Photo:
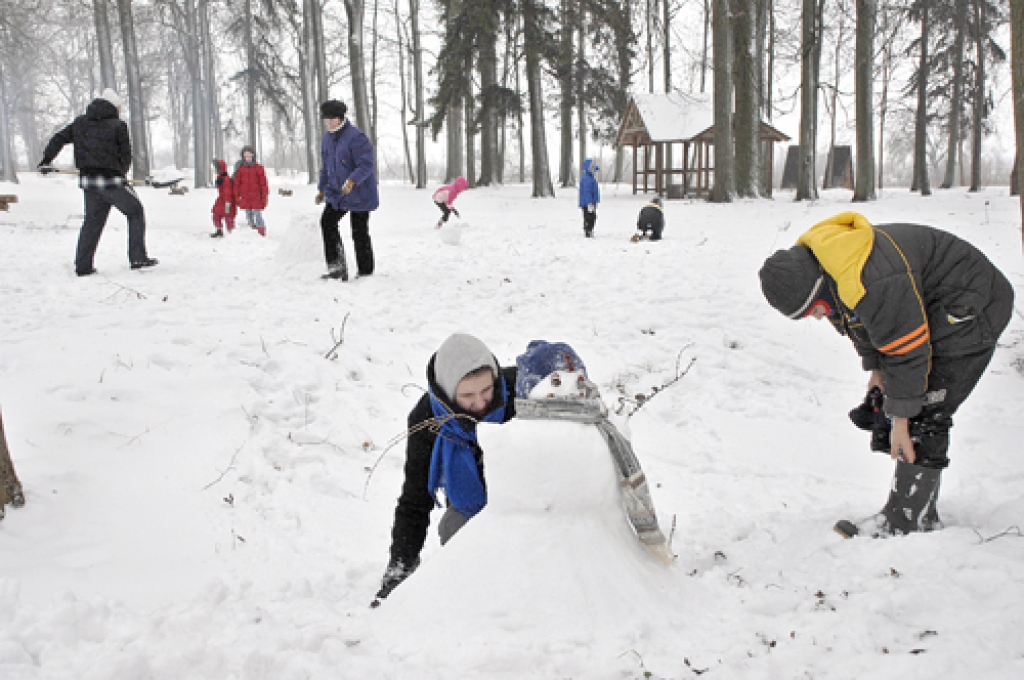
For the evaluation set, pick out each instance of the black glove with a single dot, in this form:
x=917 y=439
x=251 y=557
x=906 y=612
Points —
x=396 y=572
x=45 y=168
x=456 y=212
x=871 y=416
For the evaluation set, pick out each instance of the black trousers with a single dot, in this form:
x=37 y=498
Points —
x=334 y=250
x=97 y=208
x=589 y=221
x=445 y=210
x=951 y=381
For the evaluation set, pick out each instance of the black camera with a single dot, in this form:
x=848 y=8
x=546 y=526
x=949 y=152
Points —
x=870 y=416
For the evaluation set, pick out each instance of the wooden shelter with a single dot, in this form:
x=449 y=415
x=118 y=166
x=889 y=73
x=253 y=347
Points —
x=673 y=137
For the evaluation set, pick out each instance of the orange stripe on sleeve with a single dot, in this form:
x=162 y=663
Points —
x=909 y=341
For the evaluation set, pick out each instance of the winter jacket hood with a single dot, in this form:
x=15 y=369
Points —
x=842 y=245
x=100 y=109
x=447 y=193
x=590 y=167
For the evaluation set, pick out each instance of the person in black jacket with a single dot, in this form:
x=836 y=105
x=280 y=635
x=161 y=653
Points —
x=465 y=387
x=924 y=310
x=103 y=154
x=651 y=222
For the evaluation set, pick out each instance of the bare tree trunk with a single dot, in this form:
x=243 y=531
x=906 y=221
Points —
x=307 y=85
x=624 y=66
x=921 y=121
x=216 y=134
x=469 y=110
x=10 y=487
x=542 y=186
x=419 y=113
x=652 y=17
x=748 y=121
x=724 y=187
x=250 y=77
x=830 y=165
x=372 y=133
x=8 y=168
x=764 y=35
x=666 y=52
x=108 y=76
x=581 y=100
x=488 y=65
x=565 y=85
x=319 y=53
x=979 y=95
x=1017 y=67
x=956 y=98
x=864 y=186
x=140 y=143
x=883 y=99
x=704 y=48
x=806 y=189
x=403 y=109
x=354 y=10
x=188 y=33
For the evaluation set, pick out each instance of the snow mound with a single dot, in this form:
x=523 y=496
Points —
x=553 y=541
x=302 y=240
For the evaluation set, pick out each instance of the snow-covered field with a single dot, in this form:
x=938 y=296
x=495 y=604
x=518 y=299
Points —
x=210 y=490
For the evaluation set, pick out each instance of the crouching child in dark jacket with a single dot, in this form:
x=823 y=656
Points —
x=465 y=387
x=651 y=222
x=924 y=310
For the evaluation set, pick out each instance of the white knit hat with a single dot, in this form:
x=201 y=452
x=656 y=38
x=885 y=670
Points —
x=112 y=97
x=457 y=357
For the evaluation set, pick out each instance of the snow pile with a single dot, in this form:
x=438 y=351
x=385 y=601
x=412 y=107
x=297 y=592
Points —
x=553 y=538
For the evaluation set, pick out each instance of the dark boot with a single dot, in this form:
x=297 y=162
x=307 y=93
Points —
x=911 y=506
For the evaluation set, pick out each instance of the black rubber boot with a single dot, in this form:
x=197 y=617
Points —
x=911 y=506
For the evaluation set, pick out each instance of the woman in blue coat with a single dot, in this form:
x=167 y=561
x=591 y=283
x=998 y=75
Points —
x=590 y=196
x=347 y=184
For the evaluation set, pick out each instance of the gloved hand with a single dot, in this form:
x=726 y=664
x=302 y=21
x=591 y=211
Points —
x=396 y=572
x=319 y=198
x=45 y=168
x=592 y=207
x=455 y=212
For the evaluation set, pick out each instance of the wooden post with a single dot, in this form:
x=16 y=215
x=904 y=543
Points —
x=10 y=487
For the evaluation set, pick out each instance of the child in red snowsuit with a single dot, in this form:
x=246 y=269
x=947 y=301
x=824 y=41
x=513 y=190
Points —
x=445 y=196
x=224 y=208
x=251 y=191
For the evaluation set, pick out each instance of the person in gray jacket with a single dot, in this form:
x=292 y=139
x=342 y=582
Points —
x=924 y=310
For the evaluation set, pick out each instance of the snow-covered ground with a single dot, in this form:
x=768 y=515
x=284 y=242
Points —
x=210 y=490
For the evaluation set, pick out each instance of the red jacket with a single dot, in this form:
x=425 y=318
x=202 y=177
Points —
x=225 y=204
x=251 y=191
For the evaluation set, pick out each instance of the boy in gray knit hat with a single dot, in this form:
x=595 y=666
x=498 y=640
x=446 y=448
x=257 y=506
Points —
x=466 y=387
x=924 y=310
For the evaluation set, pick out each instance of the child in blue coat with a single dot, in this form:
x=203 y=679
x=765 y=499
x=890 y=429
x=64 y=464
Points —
x=590 y=196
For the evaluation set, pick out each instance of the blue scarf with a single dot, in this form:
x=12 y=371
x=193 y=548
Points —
x=452 y=463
